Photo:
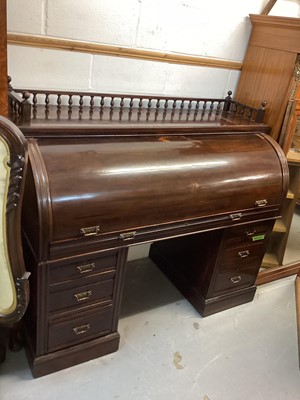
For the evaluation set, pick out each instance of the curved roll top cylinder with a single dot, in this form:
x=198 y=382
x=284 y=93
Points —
x=102 y=186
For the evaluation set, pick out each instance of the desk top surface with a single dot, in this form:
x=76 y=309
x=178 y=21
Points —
x=135 y=121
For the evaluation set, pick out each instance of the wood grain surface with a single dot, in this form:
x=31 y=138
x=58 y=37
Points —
x=119 y=51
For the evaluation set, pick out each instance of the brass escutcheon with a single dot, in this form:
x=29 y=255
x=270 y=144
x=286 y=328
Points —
x=83 y=296
x=261 y=203
x=79 y=330
x=236 y=279
x=244 y=253
x=83 y=269
x=90 y=231
x=236 y=217
x=128 y=235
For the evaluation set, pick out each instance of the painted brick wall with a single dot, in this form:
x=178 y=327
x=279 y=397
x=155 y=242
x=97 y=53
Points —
x=209 y=28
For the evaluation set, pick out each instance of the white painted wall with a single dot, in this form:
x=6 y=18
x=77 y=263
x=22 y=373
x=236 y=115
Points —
x=214 y=28
x=286 y=8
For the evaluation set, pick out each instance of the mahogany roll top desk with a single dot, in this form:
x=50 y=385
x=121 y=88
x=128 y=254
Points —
x=198 y=178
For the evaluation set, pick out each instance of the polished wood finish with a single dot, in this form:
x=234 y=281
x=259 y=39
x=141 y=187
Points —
x=123 y=168
x=11 y=229
x=274 y=273
x=267 y=72
x=54 y=43
x=17 y=162
x=103 y=112
x=135 y=122
x=213 y=280
x=70 y=356
x=3 y=60
x=202 y=175
x=78 y=320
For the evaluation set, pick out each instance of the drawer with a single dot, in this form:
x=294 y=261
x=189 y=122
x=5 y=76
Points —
x=81 y=296
x=242 y=257
x=233 y=280
x=80 y=328
x=81 y=269
x=254 y=233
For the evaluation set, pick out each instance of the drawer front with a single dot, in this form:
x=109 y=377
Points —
x=233 y=280
x=242 y=257
x=82 y=269
x=81 y=296
x=247 y=234
x=76 y=330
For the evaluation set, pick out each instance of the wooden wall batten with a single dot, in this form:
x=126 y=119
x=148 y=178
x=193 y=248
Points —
x=3 y=60
x=54 y=43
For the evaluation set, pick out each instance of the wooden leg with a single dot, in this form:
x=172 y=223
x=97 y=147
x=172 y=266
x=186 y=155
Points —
x=15 y=340
x=15 y=337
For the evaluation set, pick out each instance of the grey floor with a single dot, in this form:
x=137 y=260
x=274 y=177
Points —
x=168 y=351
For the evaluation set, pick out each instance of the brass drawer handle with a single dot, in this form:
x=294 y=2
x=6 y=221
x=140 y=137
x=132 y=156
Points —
x=90 y=231
x=255 y=236
x=83 y=296
x=79 y=330
x=261 y=203
x=250 y=233
x=127 y=235
x=236 y=279
x=83 y=269
x=244 y=253
x=236 y=217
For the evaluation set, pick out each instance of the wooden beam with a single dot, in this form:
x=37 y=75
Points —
x=3 y=60
x=272 y=274
x=119 y=51
x=268 y=7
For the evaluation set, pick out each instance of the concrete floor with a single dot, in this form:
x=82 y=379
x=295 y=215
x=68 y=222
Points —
x=168 y=351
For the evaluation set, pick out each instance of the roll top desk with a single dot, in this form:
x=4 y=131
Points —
x=198 y=178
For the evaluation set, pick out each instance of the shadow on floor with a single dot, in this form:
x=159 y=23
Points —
x=145 y=288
